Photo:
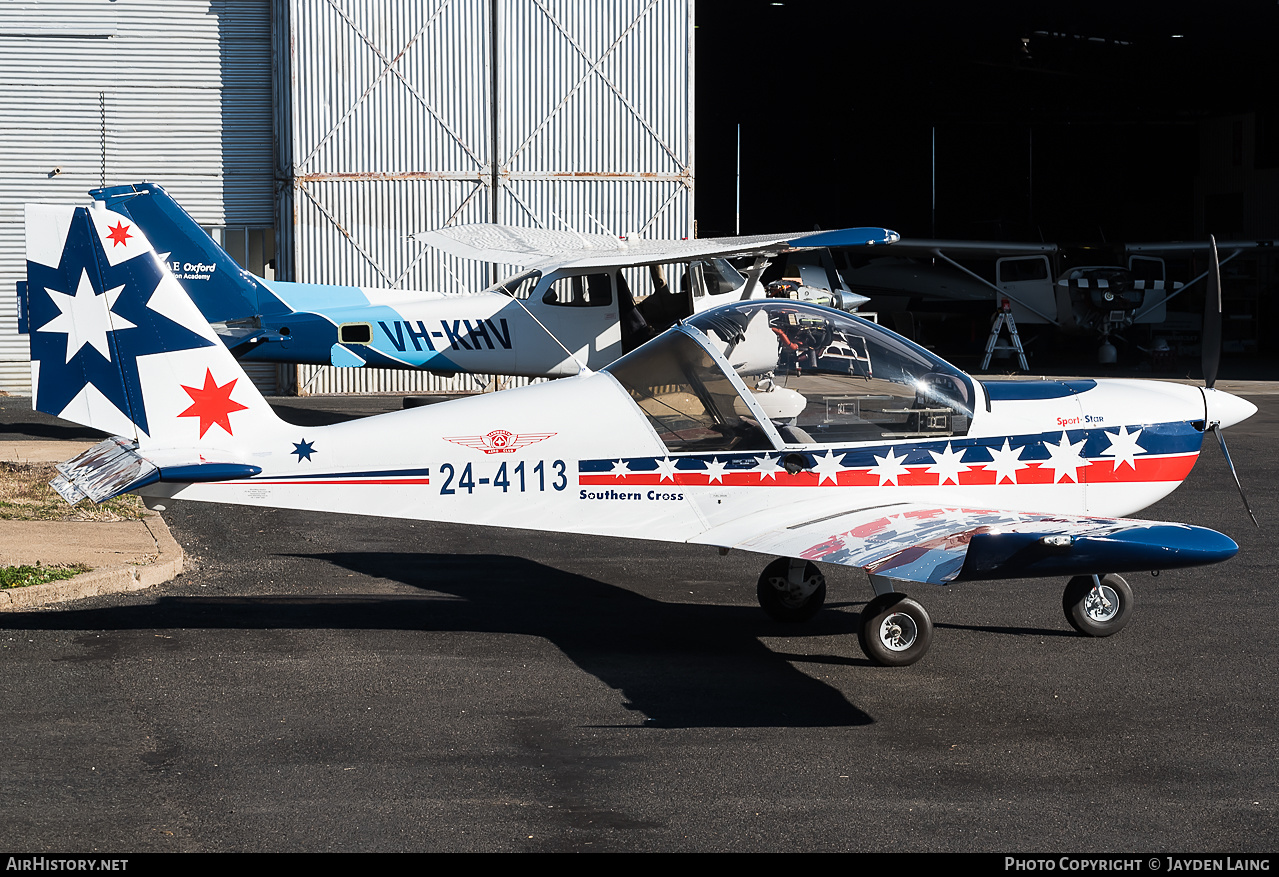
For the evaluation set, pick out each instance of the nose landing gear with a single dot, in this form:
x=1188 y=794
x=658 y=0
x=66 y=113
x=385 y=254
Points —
x=1097 y=605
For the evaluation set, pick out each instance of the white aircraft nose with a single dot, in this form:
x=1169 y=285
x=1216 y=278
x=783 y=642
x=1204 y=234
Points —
x=1226 y=409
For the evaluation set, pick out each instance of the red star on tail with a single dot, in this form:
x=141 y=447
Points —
x=212 y=404
x=119 y=234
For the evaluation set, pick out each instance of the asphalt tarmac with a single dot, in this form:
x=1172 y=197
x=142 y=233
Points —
x=322 y=683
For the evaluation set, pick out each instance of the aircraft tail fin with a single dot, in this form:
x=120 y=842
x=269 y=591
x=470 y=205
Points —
x=221 y=289
x=119 y=346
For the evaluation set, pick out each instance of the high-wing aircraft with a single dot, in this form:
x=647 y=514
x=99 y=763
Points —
x=571 y=307
x=771 y=426
x=1036 y=281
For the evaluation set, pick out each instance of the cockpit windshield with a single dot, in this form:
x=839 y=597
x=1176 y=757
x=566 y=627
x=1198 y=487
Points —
x=822 y=375
x=815 y=375
x=686 y=396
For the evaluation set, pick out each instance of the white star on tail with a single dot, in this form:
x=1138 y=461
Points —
x=1005 y=462
x=767 y=468
x=84 y=319
x=666 y=466
x=828 y=466
x=888 y=469
x=1124 y=448
x=1064 y=459
x=949 y=465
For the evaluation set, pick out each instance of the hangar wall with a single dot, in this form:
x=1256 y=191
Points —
x=526 y=112
x=348 y=126
x=94 y=93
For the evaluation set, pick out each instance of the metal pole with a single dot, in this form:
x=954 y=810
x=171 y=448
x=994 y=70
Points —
x=737 y=226
x=934 y=183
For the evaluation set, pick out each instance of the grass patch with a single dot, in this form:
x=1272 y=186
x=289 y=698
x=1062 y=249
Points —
x=25 y=495
x=22 y=576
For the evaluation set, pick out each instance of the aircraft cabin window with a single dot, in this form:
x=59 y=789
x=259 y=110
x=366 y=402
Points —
x=1018 y=270
x=582 y=291
x=822 y=376
x=714 y=277
x=355 y=333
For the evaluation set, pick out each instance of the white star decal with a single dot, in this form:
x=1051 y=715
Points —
x=888 y=469
x=1064 y=459
x=949 y=465
x=1005 y=462
x=767 y=468
x=666 y=466
x=620 y=469
x=828 y=466
x=84 y=319
x=1124 y=448
x=715 y=471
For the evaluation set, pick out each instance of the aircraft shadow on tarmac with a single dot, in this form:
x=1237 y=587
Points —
x=679 y=665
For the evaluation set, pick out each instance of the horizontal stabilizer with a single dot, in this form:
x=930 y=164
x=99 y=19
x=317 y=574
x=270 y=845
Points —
x=107 y=469
x=114 y=466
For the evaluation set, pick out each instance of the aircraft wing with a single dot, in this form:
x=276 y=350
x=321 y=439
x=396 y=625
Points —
x=981 y=249
x=1168 y=247
x=938 y=544
x=535 y=247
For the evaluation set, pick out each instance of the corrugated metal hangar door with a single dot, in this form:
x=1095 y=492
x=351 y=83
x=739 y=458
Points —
x=95 y=93
x=527 y=112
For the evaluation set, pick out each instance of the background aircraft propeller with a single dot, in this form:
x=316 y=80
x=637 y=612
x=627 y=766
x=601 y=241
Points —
x=1211 y=348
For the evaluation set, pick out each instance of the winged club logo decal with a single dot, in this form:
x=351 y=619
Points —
x=499 y=441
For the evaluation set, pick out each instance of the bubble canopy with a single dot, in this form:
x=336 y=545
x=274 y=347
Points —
x=762 y=374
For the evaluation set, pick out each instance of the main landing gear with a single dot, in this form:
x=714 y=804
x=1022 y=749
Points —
x=791 y=590
x=895 y=631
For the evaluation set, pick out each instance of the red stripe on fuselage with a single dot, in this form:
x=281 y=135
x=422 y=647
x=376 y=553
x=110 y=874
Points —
x=1100 y=471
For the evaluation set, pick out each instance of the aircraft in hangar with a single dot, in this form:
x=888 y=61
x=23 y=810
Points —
x=1042 y=284
x=771 y=426
x=572 y=307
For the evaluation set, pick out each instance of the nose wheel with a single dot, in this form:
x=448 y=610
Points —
x=1097 y=605
x=895 y=630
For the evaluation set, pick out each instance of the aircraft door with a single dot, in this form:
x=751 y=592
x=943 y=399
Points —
x=1150 y=272
x=1029 y=284
x=581 y=310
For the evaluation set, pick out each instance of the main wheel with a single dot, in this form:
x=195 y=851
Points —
x=1094 y=613
x=895 y=630
x=784 y=601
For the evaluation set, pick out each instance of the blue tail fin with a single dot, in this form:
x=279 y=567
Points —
x=220 y=288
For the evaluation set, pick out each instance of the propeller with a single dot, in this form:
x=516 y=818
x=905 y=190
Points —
x=1211 y=349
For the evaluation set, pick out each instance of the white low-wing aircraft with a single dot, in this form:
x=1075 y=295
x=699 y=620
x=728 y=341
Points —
x=572 y=307
x=771 y=426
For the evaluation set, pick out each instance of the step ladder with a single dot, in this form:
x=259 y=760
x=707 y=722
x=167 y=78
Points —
x=1004 y=317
